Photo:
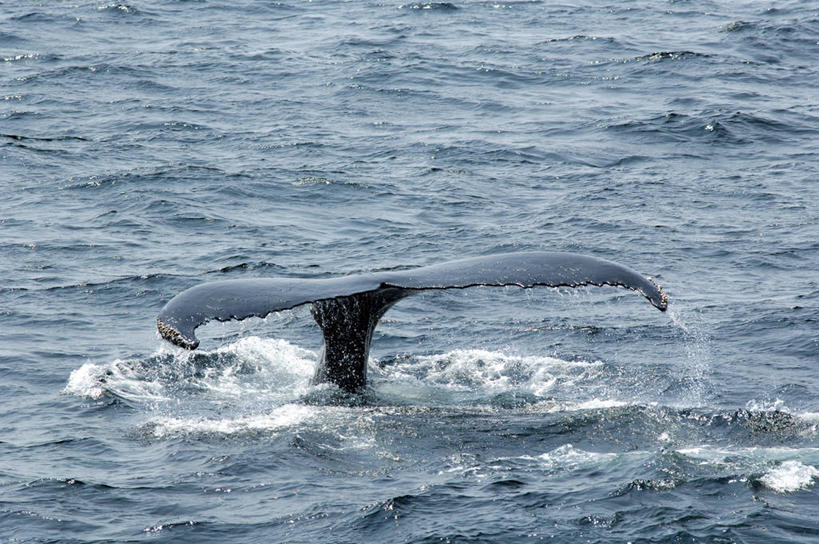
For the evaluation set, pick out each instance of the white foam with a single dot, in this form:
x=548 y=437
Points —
x=275 y=370
x=811 y=418
x=277 y=367
x=471 y=369
x=288 y=415
x=782 y=472
x=776 y=405
x=713 y=454
x=790 y=476
x=249 y=368
x=567 y=457
x=85 y=382
x=93 y=381
x=787 y=474
x=593 y=404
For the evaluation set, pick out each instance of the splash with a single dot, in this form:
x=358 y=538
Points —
x=495 y=372
x=698 y=356
x=254 y=385
x=809 y=421
x=781 y=471
x=87 y=381
x=789 y=477
x=282 y=417
x=251 y=367
x=569 y=458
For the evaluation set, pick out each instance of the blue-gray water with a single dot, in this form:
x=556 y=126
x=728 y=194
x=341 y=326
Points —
x=146 y=147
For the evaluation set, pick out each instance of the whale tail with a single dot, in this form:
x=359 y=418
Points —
x=347 y=309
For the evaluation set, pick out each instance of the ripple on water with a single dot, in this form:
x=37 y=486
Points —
x=190 y=141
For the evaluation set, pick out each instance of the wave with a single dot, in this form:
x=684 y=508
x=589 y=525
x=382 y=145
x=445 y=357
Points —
x=64 y=138
x=118 y=8
x=22 y=57
x=430 y=6
x=659 y=56
x=735 y=127
x=138 y=176
x=281 y=417
x=779 y=469
x=574 y=434
x=789 y=476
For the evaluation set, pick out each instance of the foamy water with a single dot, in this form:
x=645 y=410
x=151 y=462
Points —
x=260 y=385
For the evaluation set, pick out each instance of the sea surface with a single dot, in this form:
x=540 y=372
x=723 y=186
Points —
x=146 y=147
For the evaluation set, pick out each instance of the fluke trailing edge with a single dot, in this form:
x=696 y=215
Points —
x=348 y=308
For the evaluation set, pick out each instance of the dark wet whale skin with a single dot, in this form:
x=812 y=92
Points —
x=348 y=308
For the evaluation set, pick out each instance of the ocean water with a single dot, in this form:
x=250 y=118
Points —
x=149 y=146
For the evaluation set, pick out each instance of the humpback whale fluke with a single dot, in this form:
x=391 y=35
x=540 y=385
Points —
x=348 y=308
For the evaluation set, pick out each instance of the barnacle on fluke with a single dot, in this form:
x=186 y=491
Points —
x=174 y=336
